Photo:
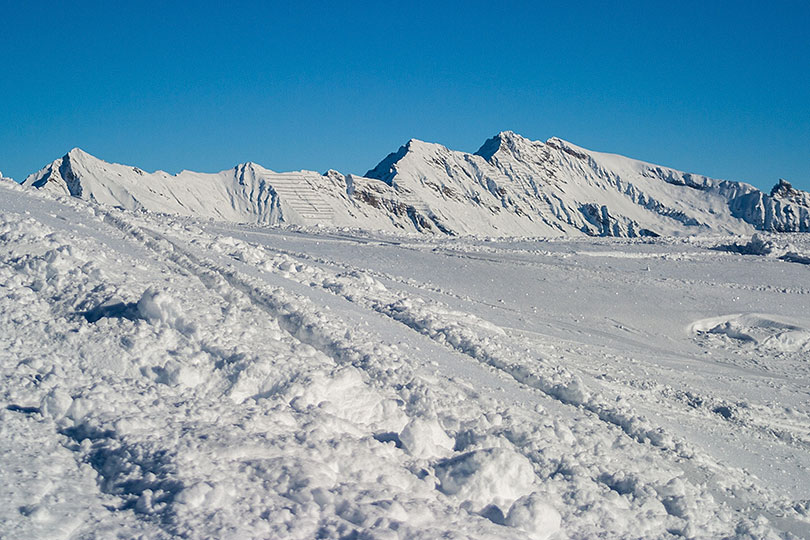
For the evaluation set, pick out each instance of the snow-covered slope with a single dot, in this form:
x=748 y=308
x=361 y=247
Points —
x=514 y=185
x=511 y=187
x=247 y=193
x=165 y=377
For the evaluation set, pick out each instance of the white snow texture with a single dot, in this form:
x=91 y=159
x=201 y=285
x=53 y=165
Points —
x=165 y=375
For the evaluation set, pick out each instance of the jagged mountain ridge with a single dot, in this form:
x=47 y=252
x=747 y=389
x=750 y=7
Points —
x=245 y=193
x=511 y=186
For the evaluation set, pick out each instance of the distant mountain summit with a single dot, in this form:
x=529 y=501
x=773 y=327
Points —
x=511 y=186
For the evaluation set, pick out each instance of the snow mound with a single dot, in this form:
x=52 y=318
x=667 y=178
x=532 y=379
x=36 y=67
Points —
x=771 y=247
x=344 y=395
x=765 y=332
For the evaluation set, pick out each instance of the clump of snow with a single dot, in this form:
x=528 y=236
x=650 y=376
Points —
x=158 y=307
x=759 y=245
x=56 y=403
x=535 y=516
x=424 y=438
x=344 y=394
x=773 y=247
x=491 y=476
x=765 y=332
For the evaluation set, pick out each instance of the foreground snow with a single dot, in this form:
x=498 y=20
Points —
x=165 y=377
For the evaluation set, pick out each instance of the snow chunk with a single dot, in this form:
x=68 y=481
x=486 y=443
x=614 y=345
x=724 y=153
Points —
x=344 y=394
x=194 y=496
x=158 y=307
x=426 y=439
x=56 y=403
x=766 y=332
x=482 y=478
x=534 y=516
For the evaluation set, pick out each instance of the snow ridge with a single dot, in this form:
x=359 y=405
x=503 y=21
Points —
x=511 y=186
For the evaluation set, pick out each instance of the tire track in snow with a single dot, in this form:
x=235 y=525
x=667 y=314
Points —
x=299 y=324
x=636 y=427
x=568 y=392
x=561 y=386
x=564 y=387
x=630 y=423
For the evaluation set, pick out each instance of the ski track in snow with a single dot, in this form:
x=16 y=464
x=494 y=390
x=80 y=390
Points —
x=166 y=378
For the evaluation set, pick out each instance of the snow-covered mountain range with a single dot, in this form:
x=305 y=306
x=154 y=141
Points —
x=511 y=186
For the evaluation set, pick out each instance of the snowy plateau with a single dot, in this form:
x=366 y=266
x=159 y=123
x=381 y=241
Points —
x=533 y=341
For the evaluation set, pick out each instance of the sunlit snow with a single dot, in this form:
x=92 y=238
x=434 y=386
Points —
x=168 y=376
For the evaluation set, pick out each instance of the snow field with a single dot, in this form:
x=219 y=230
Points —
x=164 y=381
x=297 y=403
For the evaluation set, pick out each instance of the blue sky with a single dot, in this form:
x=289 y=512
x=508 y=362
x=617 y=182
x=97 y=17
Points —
x=719 y=88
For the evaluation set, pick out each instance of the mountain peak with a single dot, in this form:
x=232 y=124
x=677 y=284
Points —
x=783 y=187
x=248 y=165
x=509 y=135
x=508 y=141
x=386 y=169
x=416 y=145
x=786 y=192
x=78 y=153
x=77 y=156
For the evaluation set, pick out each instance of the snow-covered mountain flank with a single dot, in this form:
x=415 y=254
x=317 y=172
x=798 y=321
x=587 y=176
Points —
x=511 y=186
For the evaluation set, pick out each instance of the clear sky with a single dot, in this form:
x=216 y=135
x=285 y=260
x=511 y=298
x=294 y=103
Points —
x=718 y=88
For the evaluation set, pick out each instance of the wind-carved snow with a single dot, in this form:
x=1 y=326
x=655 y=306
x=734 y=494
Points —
x=510 y=187
x=170 y=377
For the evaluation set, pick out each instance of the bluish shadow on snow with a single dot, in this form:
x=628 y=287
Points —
x=23 y=410
x=795 y=258
x=763 y=247
x=118 y=310
x=494 y=514
x=389 y=437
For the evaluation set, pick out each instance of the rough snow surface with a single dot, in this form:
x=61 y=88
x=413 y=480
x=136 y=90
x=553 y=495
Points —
x=170 y=378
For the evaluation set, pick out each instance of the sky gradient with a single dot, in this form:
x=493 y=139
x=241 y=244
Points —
x=716 y=88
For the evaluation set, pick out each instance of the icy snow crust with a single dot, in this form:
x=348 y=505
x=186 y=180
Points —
x=164 y=377
x=511 y=187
